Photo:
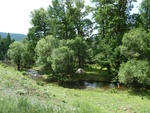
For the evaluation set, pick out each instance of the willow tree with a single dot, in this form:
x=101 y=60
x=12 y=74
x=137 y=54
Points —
x=15 y=53
x=135 y=73
x=61 y=63
x=44 y=50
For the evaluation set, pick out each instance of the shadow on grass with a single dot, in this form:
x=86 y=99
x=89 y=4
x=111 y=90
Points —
x=92 y=74
x=142 y=94
x=76 y=81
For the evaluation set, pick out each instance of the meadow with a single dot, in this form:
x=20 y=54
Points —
x=20 y=94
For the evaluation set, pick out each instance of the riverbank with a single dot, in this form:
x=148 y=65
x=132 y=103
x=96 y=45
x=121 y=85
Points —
x=92 y=77
x=21 y=93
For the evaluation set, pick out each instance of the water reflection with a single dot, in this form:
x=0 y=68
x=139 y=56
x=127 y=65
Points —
x=98 y=85
x=92 y=85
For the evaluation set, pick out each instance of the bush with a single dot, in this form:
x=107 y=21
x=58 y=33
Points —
x=135 y=73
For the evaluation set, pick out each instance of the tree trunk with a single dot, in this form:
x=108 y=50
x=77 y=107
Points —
x=18 y=63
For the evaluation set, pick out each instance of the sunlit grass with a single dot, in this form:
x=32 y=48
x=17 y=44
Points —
x=92 y=73
x=19 y=93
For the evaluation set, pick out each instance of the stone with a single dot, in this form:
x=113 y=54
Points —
x=80 y=71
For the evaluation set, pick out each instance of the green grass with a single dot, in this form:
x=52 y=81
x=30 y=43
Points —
x=21 y=104
x=18 y=93
x=92 y=73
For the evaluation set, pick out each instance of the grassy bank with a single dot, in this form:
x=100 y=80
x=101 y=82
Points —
x=92 y=73
x=19 y=93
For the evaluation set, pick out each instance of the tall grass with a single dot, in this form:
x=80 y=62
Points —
x=87 y=107
x=22 y=105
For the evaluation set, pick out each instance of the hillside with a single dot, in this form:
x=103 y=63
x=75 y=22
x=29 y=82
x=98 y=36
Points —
x=15 y=36
x=20 y=93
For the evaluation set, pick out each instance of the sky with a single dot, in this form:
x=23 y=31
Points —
x=15 y=14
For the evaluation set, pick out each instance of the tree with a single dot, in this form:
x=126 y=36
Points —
x=135 y=50
x=61 y=60
x=67 y=19
x=83 y=25
x=145 y=14
x=112 y=19
x=27 y=56
x=39 y=22
x=135 y=73
x=135 y=44
x=15 y=53
x=38 y=30
x=4 y=46
x=79 y=46
x=44 y=50
x=8 y=41
x=64 y=19
x=60 y=19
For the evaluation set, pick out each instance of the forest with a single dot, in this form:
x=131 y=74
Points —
x=70 y=35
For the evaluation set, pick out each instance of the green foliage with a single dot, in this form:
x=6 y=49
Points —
x=102 y=61
x=61 y=60
x=135 y=73
x=60 y=37
x=39 y=30
x=79 y=46
x=44 y=49
x=8 y=41
x=135 y=44
x=62 y=55
x=39 y=22
x=112 y=18
x=145 y=14
x=19 y=53
x=83 y=25
x=15 y=53
x=135 y=50
x=62 y=21
x=27 y=56
x=4 y=46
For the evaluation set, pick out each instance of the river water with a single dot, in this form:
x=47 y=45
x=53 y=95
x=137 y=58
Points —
x=98 y=84
x=77 y=84
x=34 y=74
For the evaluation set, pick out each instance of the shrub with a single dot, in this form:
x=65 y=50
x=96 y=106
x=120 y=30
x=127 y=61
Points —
x=135 y=73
